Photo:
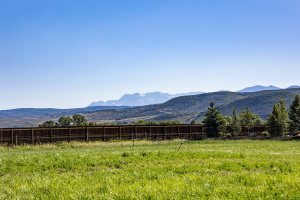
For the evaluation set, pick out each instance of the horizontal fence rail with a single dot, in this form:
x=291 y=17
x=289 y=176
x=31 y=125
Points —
x=16 y=136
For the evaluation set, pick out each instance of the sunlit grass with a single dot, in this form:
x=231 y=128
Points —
x=152 y=170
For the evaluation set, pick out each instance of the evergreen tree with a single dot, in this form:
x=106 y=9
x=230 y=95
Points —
x=247 y=119
x=283 y=115
x=294 y=116
x=273 y=125
x=277 y=121
x=236 y=123
x=214 y=123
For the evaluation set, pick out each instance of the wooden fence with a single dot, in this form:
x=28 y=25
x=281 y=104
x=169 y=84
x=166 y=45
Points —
x=16 y=136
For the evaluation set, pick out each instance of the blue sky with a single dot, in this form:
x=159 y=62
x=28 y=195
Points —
x=66 y=54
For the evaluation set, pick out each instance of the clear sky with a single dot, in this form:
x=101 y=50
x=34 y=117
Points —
x=66 y=54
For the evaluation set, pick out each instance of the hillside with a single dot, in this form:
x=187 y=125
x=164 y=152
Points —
x=261 y=104
x=53 y=111
x=29 y=117
x=179 y=105
x=184 y=106
x=184 y=109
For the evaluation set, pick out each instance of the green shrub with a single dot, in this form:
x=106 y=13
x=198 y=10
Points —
x=226 y=135
x=265 y=133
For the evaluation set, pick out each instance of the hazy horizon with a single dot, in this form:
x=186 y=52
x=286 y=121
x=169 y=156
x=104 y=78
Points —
x=68 y=54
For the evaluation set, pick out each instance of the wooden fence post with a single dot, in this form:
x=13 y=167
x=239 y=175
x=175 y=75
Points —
x=135 y=129
x=1 y=135
x=69 y=134
x=51 y=133
x=12 y=137
x=87 y=133
x=165 y=132
x=190 y=131
x=32 y=136
x=120 y=132
x=104 y=134
x=150 y=131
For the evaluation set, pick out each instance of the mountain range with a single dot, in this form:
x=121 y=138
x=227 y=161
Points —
x=138 y=99
x=261 y=88
x=150 y=98
x=182 y=108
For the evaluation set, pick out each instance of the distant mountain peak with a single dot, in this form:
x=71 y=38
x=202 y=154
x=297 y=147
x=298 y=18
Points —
x=259 y=88
x=293 y=86
x=138 y=99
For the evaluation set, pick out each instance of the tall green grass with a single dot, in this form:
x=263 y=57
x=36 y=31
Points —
x=152 y=170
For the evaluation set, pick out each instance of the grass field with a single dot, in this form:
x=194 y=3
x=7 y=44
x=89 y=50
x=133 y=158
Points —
x=152 y=170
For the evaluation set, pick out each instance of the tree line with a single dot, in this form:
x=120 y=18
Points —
x=80 y=120
x=280 y=121
x=215 y=124
x=75 y=120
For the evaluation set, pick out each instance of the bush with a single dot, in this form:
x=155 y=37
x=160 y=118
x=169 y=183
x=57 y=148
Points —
x=227 y=135
x=265 y=133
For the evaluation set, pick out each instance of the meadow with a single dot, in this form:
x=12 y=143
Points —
x=210 y=169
